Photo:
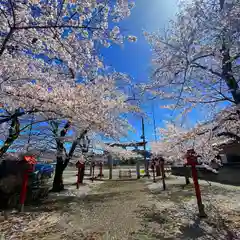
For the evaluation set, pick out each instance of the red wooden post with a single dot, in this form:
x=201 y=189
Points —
x=163 y=172
x=78 y=173
x=30 y=161
x=79 y=166
x=93 y=168
x=23 y=191
x=192 y=161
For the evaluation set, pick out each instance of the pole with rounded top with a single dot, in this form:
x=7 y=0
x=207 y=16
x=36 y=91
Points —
x=191 y=157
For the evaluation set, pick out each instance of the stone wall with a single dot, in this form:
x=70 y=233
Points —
x=226 y=175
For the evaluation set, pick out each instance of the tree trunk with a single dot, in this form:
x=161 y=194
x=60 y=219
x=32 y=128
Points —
x=228 y=75
x=158 y=170
x=227 y=72
x=9 y=141
x=60 y=166
x=61 y=162
x=58 y=177
x=14 y=132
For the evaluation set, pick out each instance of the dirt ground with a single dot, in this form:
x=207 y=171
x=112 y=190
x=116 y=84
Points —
x=133 y=210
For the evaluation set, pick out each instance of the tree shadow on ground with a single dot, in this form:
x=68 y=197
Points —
x=197 y=229
x=158 y=223
x=63 y=203
x=179 y=192
x=192 y=231
x=149 y=216
x=175 y=193
x=113 y=180
x=209 y=228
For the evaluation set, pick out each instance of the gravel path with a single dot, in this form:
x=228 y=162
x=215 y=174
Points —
x=109 y=213
x=130 y=210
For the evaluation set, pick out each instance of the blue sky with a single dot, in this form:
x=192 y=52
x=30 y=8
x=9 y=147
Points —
x=135 y=58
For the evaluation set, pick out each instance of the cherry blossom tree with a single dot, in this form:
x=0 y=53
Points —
x=206 y=138
x=226 y=124
x=118 y=151
x=175 y=141
x=196 y=60
x=16 y=128
x=45 y=48
x=43 y=41
x=59 y=31
x=94 y=106
x=54 y=45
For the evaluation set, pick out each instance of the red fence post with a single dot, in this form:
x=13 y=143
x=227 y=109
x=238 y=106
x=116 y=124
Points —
x=93 y=169
x=78 y=174
x=192 y=161
x=78 y=177
x=79 y=166
x=30 y=164
x=23 y=191
x=82 y=171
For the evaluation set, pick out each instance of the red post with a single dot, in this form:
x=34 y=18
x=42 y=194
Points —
x=163 y=173
x=192 y=161
x=23 y=191
x=30 y=164
x=93 y=168
x=78 y=176
x=79 y=166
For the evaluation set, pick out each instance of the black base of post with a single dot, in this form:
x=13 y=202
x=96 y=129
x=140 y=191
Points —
x=187 y=181
x=146 y=175
x=5 y=215
x=154 y=179
x=164 y=185
x=201 y=210
x=21 y=208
